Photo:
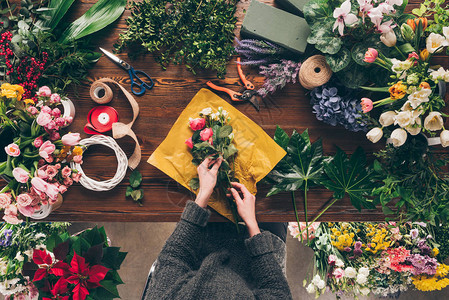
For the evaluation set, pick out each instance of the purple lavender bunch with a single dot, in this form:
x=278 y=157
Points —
x=258 y=52
x=423 y=264
x=334 y=106
x=278 y=75
x=6 y=242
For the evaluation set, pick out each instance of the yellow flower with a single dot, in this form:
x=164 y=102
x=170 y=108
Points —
x=337 y=233
x=424 y=54
x=12 y=91
x=397 y=91
x=435 y=251
x=29 y=101
x=77 y=151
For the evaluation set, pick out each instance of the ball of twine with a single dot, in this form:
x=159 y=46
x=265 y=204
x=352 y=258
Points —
x=122 y=164
x=314 y=72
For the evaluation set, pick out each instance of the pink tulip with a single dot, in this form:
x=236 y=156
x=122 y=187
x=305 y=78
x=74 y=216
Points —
x=12 y=150
x=206 y=134
x=71 y=139
x=55 y=98
x=38 y=142
x=52 y=191
x=39 y=185
x=189 y=143
x=43 y=119
x=197 y=124
x=5 y=200
x=371 y=55
x=367 y=105
x=46 y=150
x=20 y=175
x=44 y=91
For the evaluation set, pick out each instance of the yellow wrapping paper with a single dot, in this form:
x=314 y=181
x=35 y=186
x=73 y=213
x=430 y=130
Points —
x=257 y=156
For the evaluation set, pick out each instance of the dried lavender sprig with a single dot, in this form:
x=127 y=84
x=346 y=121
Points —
x=278 y=75
x=256 y=62
x=258 y=52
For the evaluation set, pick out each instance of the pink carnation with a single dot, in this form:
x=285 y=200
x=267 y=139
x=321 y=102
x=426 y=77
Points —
x=78 y=159
x=66 y=172
x=56 y=112
x=76 y=177
x=51 y=172
x=338 y=273
x=68 y=181
x=38 y=142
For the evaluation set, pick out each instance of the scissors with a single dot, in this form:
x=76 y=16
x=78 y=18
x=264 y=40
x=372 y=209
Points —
x=136 y=81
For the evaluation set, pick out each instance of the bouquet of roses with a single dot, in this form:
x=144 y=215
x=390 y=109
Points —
x=213 y=137
x=379 y=258
x=78 y=267
x=36 y=164
x=17 y=243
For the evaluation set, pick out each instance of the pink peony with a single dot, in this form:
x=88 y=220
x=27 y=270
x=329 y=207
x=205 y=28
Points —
x=338 y=273
x=51 y=172
x=51 y=125
x=32 y=110
x=367 y=105
x=5 y=200
x=60 y=121
x=54 y=135
x=76 y=177
x=38 y=142
x=55 y=98
x=206 y=134
x=62 y=189
x=12 y=150
x=46 y=150
x=78 y=159
x=66 y=172
x=46 y=109
x=56 y=113
x=371 y=55
x=189 y=143
x=68 y=181
x=20 y=175
x=43 y=119
x=71 y=139
x=197 y=124
x=44 y=91
x=24 y=199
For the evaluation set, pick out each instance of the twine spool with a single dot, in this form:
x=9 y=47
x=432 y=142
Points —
x=101 y=93
x=314 y=72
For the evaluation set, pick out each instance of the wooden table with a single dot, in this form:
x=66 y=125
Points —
x=165 y=199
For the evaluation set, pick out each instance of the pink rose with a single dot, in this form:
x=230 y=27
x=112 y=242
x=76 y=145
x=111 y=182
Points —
x=56 y=112
x=338 y=273
x=20 y=175
x=11 y=219
x=52 y=191
x=46 y=109
x=60 y=121
x=11 y=210
x=71 y=139
x=5 y=200
x=51 y=125
x=24 y=199
x=367 y=105
x=38 y=142
x=51 y=172
x=189 y=143
x=206 y=134
x=12 y=150
x=331 y=259
x=39 y=185
x=43 y=119
x=78 y=159
x=32 y=110
x=68 y=120
x=68 y=181
x=76 y=177
x=66 y=172
x=54 y=135
x=62 y=189
x=197 y=124
x=44 y=91
x=46 y=150
x=371 y=55
x=55 y=98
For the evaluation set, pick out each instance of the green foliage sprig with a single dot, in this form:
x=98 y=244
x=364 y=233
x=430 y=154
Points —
x=133 y=190
x=436 y=9
x=198 y=33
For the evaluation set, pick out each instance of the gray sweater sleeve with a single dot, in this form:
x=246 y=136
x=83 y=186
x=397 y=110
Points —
x=267 y=273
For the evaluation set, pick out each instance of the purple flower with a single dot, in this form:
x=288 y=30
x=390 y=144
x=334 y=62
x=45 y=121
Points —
x=258 y=52
x=358 y=245
x=422 y=264
x=7 y=241
x=278 y=75
x=425 y=249
x=414 y=233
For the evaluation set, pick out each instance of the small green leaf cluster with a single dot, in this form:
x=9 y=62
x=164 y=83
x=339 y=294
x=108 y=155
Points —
x=439 y=10
x=196 y=33
x=133 y=190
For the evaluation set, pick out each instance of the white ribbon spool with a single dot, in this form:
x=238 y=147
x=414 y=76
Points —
x=69 y=108
x=122 y=164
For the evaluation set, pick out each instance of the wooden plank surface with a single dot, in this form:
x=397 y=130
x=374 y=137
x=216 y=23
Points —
x=159 y=108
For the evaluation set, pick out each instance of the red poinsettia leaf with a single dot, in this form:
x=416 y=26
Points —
x=60 y=269
x=64 y=298
x=80 y=292
x=73 y=279
x=46 y=298
x=97 y=273
x=60 y=287
x=40 y=274
x=61 y=250
x=78 y=264
x=41 y=257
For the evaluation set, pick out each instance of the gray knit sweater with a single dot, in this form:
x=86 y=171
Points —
x=209 y=261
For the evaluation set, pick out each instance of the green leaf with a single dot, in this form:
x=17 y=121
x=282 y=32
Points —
x=329 y=45
x=317 y=11
x=353 y=76
x=387 y=211
x=339 y=61
x=303 y=163
x=194 y=183
x=137 y=194
x=318 y=31
x=58 y=9
x=351 y=177
x=281 y=137
x=129 y=190
x=225 y=131
x=229 y=151
x=135 y=179
x=100 y=15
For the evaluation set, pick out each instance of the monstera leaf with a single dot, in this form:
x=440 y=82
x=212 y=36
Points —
x=350 y=176
x=301 y=167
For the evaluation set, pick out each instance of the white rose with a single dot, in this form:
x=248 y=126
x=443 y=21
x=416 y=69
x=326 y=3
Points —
x=435 y=41
x=316 y=279
x=364 y=271
x=350 y=272
x=206 y=111
x=339 y=263
x=444 y=138
x=375 y=134
x=398 y=137
x=365 y=291
x=215 y=116
x=19 y=256
x=310 y=288
x=387 y=118
x=433 y=121
x=361 y=279
x=321 y=285
x=403 y=118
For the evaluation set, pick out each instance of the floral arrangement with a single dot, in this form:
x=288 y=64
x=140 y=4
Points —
x=17 y=244
x=37 y=157
x=80 y=267
x=213 y=137
x=383 y=259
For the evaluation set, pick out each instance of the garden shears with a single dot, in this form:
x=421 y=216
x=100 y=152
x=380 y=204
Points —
x=136 y=81
x=249 y=94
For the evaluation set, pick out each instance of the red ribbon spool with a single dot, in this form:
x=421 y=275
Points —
x=100 y=119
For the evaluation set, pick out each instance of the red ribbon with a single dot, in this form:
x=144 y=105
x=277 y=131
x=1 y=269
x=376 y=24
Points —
x=100 y=119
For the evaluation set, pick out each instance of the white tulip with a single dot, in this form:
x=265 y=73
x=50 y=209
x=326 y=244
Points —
x=310 y=288
x=433 y=121
x=418 y=97
x=361 y=279
x=398 y=137
x=387 y=118
x=350 y=272
x=444 y=138
x=316 y=279
x=403 y=118
x=388 y=38
x=435 y=41
x=375 y=134
x=364 y=271
x=414 y=130
x=321 y=285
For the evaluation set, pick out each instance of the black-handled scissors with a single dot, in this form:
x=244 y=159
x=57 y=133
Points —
x=136 y=81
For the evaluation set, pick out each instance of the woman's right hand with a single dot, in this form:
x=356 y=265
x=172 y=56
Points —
x=246 y=207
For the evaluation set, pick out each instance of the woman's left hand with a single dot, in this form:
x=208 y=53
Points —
x=207 y=173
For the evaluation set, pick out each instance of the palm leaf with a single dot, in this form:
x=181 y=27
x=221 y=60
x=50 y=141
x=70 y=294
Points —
x=100 y=15
x=58 y=9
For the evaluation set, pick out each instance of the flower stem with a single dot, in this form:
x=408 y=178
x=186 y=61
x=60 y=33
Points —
x=319 y=215
x=400 y=52
x=296 y=210
x=305 y=210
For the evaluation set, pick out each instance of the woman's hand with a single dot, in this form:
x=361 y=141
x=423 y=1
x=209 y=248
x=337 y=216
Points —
x=208 y=179
x=246 y=207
